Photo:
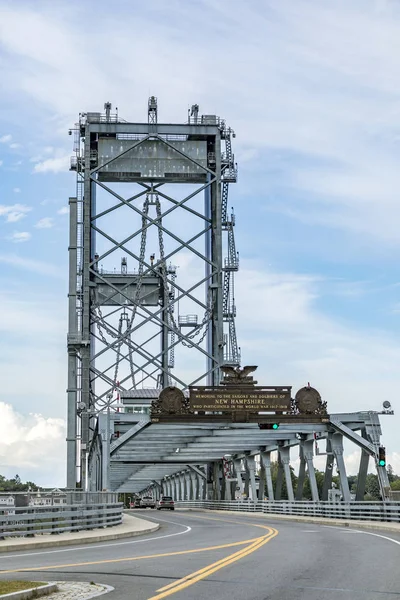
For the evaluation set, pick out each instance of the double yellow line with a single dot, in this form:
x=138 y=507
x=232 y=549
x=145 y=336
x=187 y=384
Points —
x=185 y=582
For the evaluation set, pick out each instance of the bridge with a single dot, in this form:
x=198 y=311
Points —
x=154 y=377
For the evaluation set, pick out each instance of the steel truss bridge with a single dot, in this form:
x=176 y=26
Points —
x=152 y=304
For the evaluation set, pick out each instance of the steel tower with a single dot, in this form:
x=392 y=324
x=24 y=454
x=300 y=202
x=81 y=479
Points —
x=151 y=203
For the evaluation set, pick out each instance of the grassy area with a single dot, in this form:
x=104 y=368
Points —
x=6 y=587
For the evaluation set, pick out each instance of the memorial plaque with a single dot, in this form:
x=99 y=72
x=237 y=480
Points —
x=252 y=399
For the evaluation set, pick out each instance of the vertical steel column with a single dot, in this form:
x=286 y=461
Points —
x=217 y=482
x=207 y=267
x=72 y=357
x=182 y=486
x=284 y=453
x=266 y=462
x=238 y=470
x=246 y=480
x=217 y=326
x=309 y=455
x=330 y=459
x=177 y=487
x=337 y=449
x=279 y=479
x=262 y=482
x=252 y=476
x=86 y=324
x=195 y=485
x=362 y=476
x=302 y=472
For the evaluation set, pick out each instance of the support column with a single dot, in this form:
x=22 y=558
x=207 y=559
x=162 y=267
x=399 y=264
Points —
x=330 y=460
x=266 y=462
x=362 y=476
x=176 y=487
x=238 y=470
x=337 y=449
x=194 y=488
x=216 y=478
x=302 y=473
x=227 y=482
x=309 y=455
x=261 y=486
x=182 y=486
x=252 y=476
x=246 y=480
x=188 y=484
x=72 y=353
x=279 y=479
x=284 y=452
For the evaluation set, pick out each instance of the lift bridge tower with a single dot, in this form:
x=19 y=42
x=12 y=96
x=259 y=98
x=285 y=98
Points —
x=152 y=262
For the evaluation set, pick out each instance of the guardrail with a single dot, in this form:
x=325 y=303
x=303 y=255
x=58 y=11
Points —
x=39 y=513
x=361 y=511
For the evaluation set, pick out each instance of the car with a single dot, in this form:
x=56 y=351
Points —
x=135 y=503
x=165 y=502
x=147 y=502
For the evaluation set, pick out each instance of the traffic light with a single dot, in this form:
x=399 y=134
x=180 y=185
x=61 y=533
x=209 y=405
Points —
x=382 y=456
x=273 y=426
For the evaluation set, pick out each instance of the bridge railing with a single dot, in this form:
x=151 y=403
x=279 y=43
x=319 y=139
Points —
x=360 y=511
x=40 y=513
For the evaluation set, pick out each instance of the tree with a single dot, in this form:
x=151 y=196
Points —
x=320 y=477
x=15 y=485
x=372 y=486
x=274 y=475
x=395 y=485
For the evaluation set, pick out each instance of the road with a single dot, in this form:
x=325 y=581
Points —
x=201 y=555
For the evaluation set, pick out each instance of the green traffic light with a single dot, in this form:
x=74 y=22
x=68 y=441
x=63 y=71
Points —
x=382 y=463
x=275 y=426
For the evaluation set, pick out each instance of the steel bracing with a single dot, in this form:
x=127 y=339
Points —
x=235 y=457
x=152 y=263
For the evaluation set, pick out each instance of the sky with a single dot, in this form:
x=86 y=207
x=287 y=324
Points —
x=312 y=90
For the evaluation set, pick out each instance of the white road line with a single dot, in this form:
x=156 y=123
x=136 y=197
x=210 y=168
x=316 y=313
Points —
x=309 y=531
x=384 y=537
x=90 y=547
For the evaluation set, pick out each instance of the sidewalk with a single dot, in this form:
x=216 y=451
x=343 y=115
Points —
x=131 y=526
x=352 y=524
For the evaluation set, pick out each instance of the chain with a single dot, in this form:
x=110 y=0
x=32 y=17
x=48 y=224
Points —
x=169 y=317
x=171 y=321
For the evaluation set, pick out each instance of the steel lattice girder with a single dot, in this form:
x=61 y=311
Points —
x=151 y=454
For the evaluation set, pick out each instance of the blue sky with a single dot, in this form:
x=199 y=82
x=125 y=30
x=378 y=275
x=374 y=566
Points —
x=312 y=90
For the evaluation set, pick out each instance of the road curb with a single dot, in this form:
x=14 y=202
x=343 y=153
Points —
x=54 y=543
x=35 y=592
x=316 y=520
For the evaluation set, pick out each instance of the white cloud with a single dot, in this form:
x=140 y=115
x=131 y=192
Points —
x=1 y=163
x=17 y=190
x=63 y=211
x=45 y=223
x=29 y=264
x=14 y=212
x=14 y=146
x=19 y=237
x=53 y=165
x=4 y=139
x=32 y=444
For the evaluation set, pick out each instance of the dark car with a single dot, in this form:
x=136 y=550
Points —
x=136 y=503
x=166 y=502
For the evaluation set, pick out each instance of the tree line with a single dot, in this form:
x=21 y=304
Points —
x=16 y=485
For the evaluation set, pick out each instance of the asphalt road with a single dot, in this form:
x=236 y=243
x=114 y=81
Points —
x=201 y=555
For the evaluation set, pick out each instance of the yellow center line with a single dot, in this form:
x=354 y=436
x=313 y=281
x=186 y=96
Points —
x=218 y=562
x=130 y=559
x=192 y=578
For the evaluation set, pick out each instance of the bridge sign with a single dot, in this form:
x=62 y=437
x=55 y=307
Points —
x=232 y=399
